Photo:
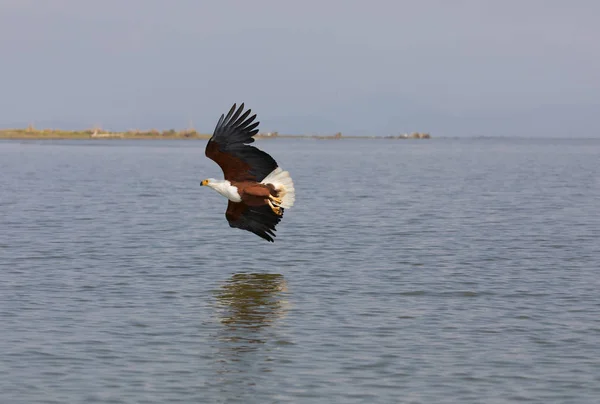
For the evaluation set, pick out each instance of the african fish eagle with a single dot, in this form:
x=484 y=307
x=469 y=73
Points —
x=258 y=190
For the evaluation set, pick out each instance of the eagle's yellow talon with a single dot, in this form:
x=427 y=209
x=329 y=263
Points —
x=275 y=209
x=276 y=200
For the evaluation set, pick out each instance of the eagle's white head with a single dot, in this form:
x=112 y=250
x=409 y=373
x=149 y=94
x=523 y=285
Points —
x=209 y=182
x=223 y=187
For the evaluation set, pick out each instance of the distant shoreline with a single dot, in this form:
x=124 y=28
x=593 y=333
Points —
x=190 y=134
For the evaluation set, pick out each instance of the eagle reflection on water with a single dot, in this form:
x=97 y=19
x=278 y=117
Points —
x=249 y=303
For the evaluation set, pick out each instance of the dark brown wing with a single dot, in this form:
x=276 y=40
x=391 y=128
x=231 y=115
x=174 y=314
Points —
x=260 y=220
x=229 y=148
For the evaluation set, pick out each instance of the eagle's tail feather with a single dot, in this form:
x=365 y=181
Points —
x=283 y=183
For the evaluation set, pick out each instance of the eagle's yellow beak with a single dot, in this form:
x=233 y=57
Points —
x=204 y=182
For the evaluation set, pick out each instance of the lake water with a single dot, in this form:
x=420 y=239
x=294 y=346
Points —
x=411 y=271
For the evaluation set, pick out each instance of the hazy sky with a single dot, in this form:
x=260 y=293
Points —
x=453 y=68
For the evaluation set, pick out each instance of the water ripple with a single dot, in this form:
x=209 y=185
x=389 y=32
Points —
x=440 y=271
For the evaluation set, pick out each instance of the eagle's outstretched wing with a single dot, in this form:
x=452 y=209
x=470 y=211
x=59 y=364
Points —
x=229 y=148
x=260 y=220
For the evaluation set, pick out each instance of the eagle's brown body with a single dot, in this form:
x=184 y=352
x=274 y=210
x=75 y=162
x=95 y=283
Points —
x=253 y=193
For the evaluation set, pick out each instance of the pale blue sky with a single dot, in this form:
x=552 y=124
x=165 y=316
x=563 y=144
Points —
x=454 y=68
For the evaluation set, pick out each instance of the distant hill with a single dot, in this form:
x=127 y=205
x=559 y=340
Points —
x=382 y=115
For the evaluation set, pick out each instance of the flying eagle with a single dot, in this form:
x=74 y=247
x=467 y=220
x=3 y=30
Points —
x=258 y=190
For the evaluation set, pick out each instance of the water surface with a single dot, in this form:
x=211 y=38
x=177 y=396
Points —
x=446 y=271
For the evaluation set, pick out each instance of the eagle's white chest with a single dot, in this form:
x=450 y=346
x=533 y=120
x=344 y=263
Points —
x=227 y=190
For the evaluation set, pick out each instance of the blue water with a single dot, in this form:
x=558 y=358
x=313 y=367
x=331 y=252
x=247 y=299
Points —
x=413 y=271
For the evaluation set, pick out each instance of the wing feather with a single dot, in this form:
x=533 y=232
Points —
x=230 y=147
x=260 y=220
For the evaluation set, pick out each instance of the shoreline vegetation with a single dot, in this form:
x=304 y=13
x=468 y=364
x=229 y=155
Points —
x=33 y=133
